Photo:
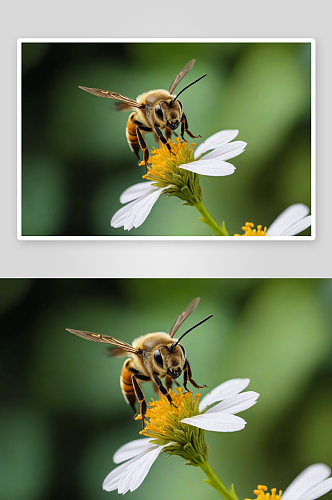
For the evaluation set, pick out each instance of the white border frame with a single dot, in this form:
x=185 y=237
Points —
x=20 y=41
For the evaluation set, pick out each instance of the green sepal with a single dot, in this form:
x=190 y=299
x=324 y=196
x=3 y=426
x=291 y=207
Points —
x=203 y=220
x=232 y=490
x=208 y=482
x=223 y=227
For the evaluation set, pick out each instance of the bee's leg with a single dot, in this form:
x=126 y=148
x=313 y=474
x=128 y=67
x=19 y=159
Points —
x=140 y=397
x=187 y=377
x=168 y=382
x=163 y=140
x=144 y=147
x=184 y=128
x=168 y=133
x=163 y=389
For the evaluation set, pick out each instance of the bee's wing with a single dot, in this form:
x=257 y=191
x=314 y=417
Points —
x=112 y=95
x=182 y=73
x=184 y=315
x=96 y=337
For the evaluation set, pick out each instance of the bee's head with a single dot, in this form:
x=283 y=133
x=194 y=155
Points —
x=169 y=113
x=170 y=358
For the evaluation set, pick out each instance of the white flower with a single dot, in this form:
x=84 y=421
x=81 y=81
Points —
x=291 y=221
x=139 y=455
x=141 y=197
x=312 y=483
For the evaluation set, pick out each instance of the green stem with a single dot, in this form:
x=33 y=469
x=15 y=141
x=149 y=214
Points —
x=206 y=217
x=215 y=482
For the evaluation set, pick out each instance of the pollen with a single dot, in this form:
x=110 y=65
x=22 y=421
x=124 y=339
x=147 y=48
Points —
x=164 y=162
x=249 y=230
x=262 y=494
x=162 y=417
x=163 y=423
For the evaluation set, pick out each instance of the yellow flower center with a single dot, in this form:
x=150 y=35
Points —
x=261 y=494
x=164 y=163
x=164 y=169
x=249 y=230
x=163 y=424
x=162 y=417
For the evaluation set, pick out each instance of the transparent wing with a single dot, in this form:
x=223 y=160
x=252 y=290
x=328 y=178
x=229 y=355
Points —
x=112 y=95
x=184 y=316
x=182 y=73
x=96 y=337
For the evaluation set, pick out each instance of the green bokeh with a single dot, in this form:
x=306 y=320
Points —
x=63 y=415
x=25 y=453
x=76 y=160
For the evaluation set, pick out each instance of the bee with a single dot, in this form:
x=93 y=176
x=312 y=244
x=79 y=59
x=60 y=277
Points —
x=151 y=357
x=151 y=112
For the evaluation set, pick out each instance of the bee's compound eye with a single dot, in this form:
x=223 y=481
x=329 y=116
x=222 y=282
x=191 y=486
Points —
x=180 y=104
x=157 y=357
x=159 y=112
x=183 y=351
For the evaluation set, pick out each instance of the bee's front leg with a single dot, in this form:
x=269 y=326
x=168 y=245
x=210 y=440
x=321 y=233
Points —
x=184 y=128
x=168 y=382
x=168 y=133
x=163 y=389
x=163 y=140
x=187 y=377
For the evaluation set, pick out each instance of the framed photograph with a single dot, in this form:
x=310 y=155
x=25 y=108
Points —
x=193 y=139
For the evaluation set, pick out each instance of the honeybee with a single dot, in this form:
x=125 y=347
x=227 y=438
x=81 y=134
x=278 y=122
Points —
x=151 y=112
x=151 y=357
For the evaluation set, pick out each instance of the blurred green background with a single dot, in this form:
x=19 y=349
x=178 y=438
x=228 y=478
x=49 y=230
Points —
x=76 y=160
x=63 y=415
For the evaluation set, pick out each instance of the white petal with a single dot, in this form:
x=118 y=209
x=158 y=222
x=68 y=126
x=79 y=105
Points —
x=140 y=212
x=112 y=480
x=135 y=191
x=235 y=404
x=319 y=490
x=124 y=476
x=218 y=422
x=214 y=167
x=291 y=215
x=131 y=450
x=227 y=151
x=308 y=478
x=134 y=213
x=224 y=390
x=297 y=227
x=216 y=140
x=135 y=474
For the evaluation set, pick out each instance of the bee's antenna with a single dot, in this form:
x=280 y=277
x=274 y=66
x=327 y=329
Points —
x=190 y=84
x=185 y=333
